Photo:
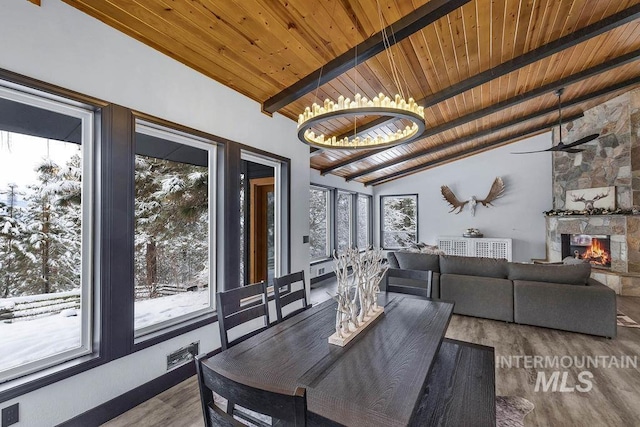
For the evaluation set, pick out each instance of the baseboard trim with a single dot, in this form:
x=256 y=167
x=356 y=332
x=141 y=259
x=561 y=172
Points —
x=325 y=276
x=132 y=398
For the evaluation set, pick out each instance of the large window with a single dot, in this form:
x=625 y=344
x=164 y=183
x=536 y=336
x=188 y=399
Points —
x=46 y=208
x=364 y=221
x=399 y=221
x=174 y=204
x=319 y=224
x=338 y=220
x=344 y=220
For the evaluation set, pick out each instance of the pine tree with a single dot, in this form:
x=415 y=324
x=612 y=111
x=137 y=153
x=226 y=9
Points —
x=53 y=224
x=399 y=221
x=13 y=256
x=171 y=223
x=318 y=223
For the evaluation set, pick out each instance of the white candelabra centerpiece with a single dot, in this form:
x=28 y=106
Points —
x=357 y=293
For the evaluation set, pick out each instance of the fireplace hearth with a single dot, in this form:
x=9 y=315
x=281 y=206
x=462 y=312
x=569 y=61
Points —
x=594 y=248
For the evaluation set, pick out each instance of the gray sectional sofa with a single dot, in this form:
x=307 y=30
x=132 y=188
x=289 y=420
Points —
x=553 y=296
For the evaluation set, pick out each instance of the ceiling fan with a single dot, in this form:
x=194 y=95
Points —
x=567 y=148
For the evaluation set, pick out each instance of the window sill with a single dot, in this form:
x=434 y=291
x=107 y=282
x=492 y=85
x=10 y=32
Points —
x=320 y=261
x=153 y=338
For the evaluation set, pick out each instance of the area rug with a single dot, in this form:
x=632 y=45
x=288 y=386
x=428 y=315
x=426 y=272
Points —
x=626 y=321
x=511 y=410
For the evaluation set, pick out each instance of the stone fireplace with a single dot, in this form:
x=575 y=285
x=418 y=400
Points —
x=623 y=274
x=612 y=160
x=594 y=248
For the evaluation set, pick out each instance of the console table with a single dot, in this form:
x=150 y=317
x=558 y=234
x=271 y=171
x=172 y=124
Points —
x=477 y=247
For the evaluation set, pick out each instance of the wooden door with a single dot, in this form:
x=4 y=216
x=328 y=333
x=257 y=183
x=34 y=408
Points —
x=260 y=191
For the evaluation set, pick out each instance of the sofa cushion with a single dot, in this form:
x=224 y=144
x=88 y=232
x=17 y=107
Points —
x=577 y=274
x=486 y=297
x=418 y=261
x=586 y=309
x=472 y=266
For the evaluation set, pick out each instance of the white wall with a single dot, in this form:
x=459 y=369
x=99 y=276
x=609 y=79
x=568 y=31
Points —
x=517 y=215
x=336 y=182
x=59 y=44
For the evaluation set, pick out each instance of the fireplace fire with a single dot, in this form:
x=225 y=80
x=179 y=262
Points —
x=594 y=248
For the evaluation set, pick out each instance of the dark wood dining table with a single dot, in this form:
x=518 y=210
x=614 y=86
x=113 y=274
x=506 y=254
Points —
x=378 y=379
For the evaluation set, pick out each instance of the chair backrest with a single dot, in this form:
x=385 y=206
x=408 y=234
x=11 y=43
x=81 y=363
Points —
x=421 y=281
x=284 y=408
x=239 y=306
x=284 y=295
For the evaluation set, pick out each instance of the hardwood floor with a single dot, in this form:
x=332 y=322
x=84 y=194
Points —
x=177 y=407
x=614 y=399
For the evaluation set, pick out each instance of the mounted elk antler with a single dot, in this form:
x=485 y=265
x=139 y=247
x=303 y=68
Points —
x=497 y=190
x=588 y=203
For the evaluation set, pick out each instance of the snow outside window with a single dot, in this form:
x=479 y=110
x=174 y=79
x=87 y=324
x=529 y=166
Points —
x=344 y=220
x=319 y=216
x=364 y=221
x=399 y=221
x=174 y=211
x=45 y=231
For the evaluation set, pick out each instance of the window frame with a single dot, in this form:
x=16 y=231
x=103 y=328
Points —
x=328 y=222
x=90 y=242
x=281 y=209
x=382 y=230
x=181 y=137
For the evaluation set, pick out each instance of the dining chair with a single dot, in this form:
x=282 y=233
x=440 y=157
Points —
x=420 y=281
x=284 y=295
x=240 y=306
x=284 y=409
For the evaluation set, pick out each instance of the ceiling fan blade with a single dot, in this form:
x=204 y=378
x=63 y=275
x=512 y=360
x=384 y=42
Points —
x=559 y=148
x=582 y=140
x=530 y=152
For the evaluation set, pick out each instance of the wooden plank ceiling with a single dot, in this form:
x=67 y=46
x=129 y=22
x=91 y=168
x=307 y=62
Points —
x=485 y=71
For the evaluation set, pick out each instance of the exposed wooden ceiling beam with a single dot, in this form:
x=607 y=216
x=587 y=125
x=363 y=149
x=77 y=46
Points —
x=528 y=58
x=36 y=2
x=590 y=72
x=468 y=151
x=401 y=29
x=576 y=101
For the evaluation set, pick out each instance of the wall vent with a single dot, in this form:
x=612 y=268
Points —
x=320 y=271
x=182 y=355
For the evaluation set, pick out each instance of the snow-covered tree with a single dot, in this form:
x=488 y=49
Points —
x=343 y=220
x=399 y=221
x=171 y=223
x=363 y=222
x=53 y=228
x=13 y=254
x=318 y=223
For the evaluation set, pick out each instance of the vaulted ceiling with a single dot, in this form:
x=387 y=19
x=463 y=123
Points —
x=485 y=70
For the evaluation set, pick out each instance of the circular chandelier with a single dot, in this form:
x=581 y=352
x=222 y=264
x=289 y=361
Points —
x=381 y=105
